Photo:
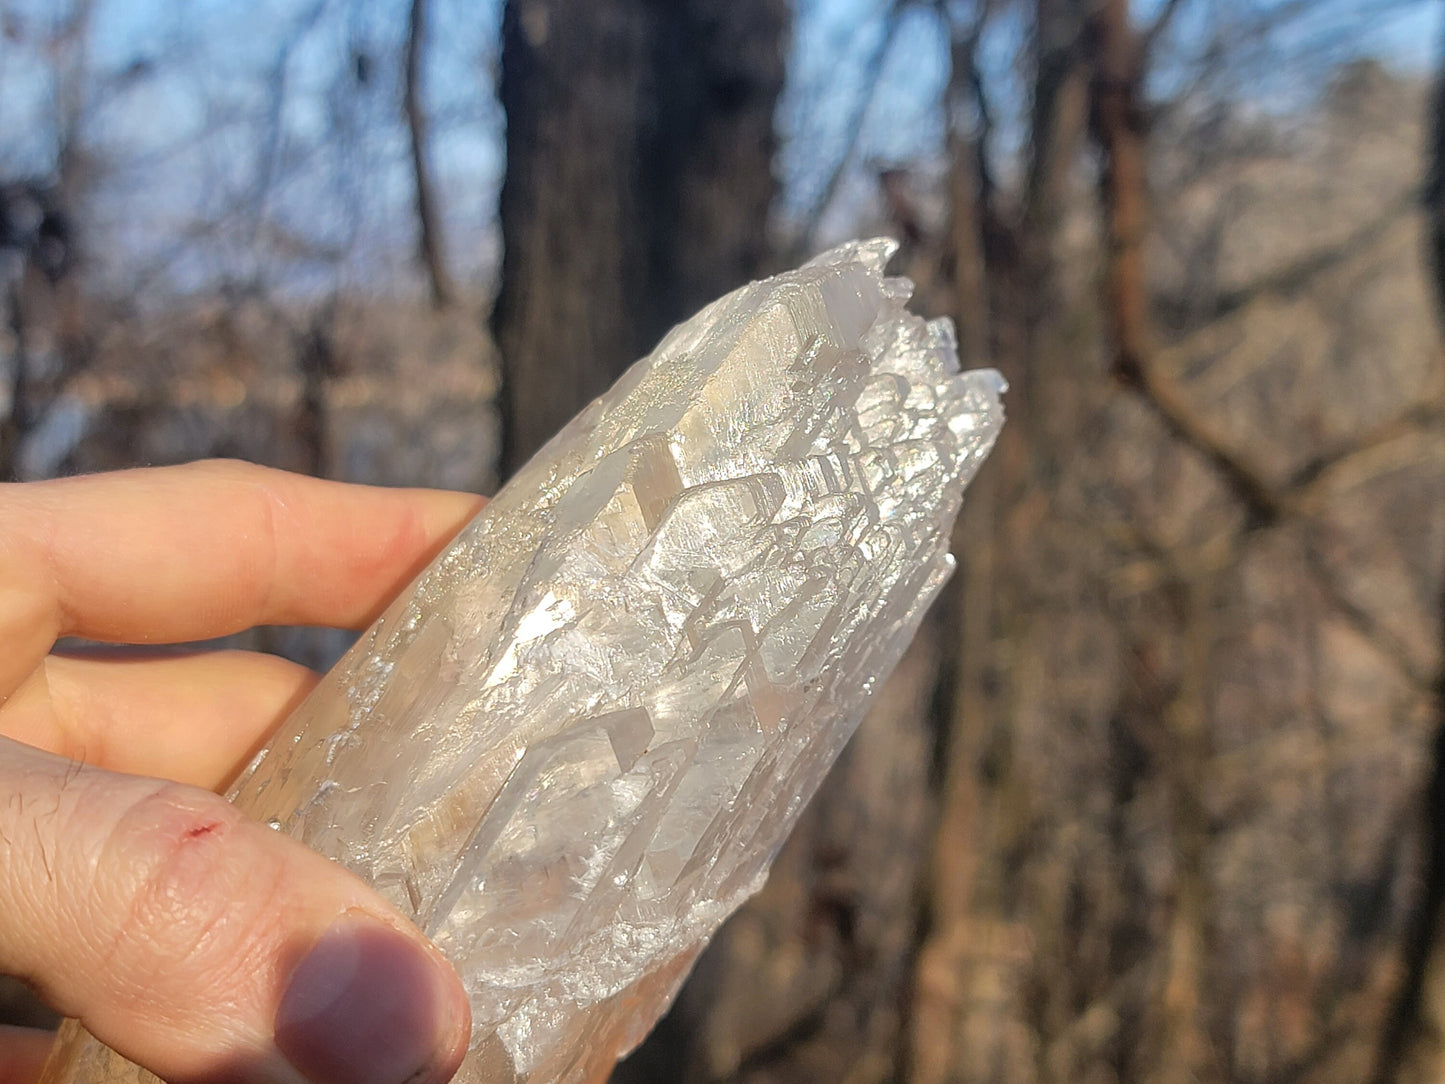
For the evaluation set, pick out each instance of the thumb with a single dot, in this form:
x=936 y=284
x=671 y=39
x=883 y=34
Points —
x=204 y=946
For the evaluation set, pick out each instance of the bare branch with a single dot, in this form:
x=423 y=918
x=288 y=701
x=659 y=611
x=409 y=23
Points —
x=1117 y=123
x=1160 y=25
x=1418 y=415
x=872 y=73
x=970 y=186
x=429 y=240
x=1392 y=648
x=966 y=75
x=1296 y=276
x=278 y=85
x=1247 y=483
x=1434 y=193
x=72 y=41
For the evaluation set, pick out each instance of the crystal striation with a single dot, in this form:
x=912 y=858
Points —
x=573 y=746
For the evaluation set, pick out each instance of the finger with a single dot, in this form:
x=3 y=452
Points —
x=196 y=718
x=22 y=1053
x=204 y=946
x=173 y=554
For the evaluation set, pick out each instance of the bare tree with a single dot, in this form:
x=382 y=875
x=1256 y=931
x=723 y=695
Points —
x=39 y=240
x=1032 y=967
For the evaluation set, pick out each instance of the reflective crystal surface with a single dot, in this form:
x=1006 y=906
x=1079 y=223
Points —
x=573 y=746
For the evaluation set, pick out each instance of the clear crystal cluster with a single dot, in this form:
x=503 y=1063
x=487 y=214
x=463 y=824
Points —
x=576 y=742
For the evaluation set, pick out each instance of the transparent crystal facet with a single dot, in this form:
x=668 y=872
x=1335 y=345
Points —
x=575 y=743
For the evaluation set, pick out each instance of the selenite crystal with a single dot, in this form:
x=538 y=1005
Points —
x=573 y=746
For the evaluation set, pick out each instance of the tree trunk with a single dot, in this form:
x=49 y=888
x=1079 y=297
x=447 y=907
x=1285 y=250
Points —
x=1412 y=1048
x=639 y=177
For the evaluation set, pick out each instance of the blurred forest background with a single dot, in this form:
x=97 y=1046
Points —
x=1159 y=794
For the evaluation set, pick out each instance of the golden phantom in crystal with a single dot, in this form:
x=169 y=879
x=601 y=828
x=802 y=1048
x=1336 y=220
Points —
x=572 y=747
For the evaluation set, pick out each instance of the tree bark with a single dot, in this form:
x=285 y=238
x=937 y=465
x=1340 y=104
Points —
x=639 y=177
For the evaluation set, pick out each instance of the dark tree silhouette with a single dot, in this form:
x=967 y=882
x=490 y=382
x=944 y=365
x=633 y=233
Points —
x=639 y=176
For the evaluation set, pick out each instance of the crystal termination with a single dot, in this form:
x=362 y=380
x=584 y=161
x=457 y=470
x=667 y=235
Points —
x=573 y=746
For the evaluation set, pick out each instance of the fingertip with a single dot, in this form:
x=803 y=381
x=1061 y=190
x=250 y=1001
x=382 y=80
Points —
x=369 y=1004
x=459 y=1034
x=448 y=511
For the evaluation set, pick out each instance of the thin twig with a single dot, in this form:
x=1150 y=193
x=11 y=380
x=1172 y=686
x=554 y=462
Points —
x=1160 y=25
x=872 y=74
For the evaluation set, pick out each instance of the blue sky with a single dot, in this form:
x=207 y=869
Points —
x=183 y=153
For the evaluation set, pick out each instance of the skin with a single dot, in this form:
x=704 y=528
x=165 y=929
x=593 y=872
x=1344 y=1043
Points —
x=131 y=896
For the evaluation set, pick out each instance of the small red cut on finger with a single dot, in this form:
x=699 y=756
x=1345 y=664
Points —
x=201 y=944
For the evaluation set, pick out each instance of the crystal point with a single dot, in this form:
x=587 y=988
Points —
x=571 y=748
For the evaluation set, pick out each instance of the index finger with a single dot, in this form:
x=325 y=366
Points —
x=173 y=554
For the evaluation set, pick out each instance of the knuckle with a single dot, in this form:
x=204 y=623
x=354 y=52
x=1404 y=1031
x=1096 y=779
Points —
x=190 y=882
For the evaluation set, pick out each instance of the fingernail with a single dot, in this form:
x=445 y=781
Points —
x=367 y=1005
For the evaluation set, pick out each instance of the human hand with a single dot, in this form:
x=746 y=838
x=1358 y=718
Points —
x=195 y=942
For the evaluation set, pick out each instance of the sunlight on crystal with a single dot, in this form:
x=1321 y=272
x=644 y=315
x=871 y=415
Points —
x=572 y=747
